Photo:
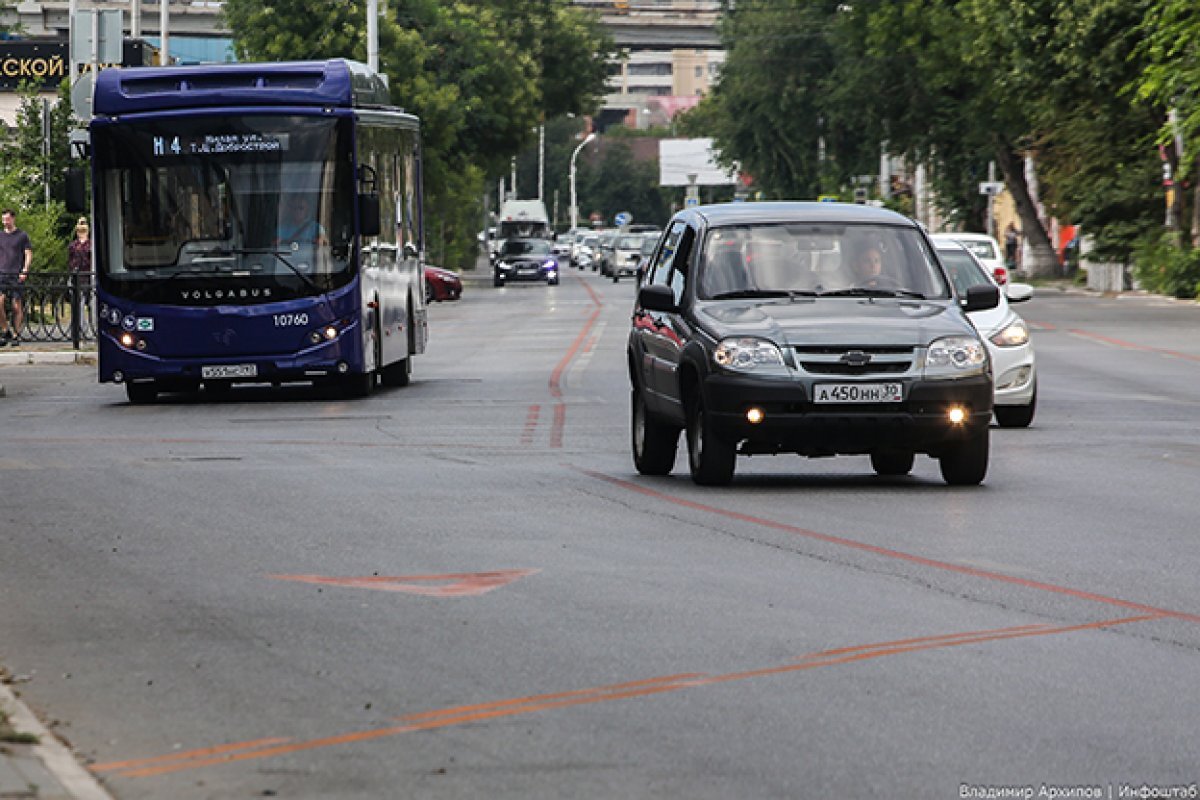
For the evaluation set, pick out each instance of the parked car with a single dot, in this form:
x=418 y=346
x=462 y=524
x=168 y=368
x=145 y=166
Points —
x=983 y=247
x=441 y=284
x=525 y=260
x=627 y=252
x=843 y=336
x=1004 y=332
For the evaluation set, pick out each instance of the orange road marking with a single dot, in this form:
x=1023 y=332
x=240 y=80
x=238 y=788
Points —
x=556 y=376
x=1132 y=346
x=461 y=715
x=461 y=584
x=556 y=427
x=899 y=555
x=522 y=701
x=531 y=421
x=186 y=756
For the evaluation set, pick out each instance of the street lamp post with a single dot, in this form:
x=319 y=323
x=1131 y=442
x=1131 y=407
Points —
x=574 y=200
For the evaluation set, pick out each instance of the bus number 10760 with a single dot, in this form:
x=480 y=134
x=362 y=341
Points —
x=288 y=320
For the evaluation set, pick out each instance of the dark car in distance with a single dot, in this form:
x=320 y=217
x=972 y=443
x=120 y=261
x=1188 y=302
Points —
x=525 y=260
x=812 y=328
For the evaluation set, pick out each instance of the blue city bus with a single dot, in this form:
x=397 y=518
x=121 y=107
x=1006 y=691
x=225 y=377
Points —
x=255 y=223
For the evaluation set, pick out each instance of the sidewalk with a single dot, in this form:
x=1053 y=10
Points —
x=43 y=771
x=42 y=353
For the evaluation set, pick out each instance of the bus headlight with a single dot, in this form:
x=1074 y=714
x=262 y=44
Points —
x=955 y=357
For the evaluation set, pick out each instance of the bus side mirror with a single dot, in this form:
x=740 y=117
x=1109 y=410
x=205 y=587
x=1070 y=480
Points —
x=368 y=214
x=76 y=186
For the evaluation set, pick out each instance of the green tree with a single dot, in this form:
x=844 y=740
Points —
x=480 y=75
x=1170 y=79
x=23 y=151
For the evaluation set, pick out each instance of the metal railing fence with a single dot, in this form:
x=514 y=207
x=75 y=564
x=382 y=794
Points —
x=59 y=307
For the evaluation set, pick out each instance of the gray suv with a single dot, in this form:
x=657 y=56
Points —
x=810 y=328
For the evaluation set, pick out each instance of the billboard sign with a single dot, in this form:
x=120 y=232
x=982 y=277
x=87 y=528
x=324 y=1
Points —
x=691 y=162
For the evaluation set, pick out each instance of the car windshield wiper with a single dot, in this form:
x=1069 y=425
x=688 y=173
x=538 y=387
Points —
x=863 y=291
x=753 y=293
x=270 y=251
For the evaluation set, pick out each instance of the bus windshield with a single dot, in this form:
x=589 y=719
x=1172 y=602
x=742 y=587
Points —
x=264 y=200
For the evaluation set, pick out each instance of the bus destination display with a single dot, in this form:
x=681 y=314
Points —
x=219 y=144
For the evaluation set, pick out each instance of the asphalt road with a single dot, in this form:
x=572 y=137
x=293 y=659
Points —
x=462 y=589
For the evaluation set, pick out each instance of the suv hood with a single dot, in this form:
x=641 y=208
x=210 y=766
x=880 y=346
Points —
x=837 y=321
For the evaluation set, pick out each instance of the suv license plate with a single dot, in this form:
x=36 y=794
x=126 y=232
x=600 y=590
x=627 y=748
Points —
x=229 y=371
x=858 y=393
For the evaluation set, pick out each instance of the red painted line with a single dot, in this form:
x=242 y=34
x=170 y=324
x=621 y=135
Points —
x=464 y=584
x=1043 y=326
x=531 y=421
x=1133 y=346
x=556 y=376
x=557 y=426
x=190 y=755
x=636 y=689
x=889 y=553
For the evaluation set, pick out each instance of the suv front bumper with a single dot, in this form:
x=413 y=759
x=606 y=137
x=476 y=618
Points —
x=792 y=423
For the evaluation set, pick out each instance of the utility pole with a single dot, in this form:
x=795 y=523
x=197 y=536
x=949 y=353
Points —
x=574 y=200
x=164 y=23
x=541 y=195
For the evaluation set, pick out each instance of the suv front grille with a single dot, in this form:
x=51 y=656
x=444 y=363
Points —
x=854 y=361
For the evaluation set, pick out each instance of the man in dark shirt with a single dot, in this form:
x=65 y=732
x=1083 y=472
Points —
x=16 y=254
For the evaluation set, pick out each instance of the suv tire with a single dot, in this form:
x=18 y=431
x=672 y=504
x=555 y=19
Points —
x=710 y=458
x=654 y=443
x=966 y=464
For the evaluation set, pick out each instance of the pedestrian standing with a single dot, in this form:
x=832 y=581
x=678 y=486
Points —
x=16 y=255
x=79 y=251
x=1012 y=241
x=79 y=261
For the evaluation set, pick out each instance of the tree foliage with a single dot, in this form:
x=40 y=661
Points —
x=480 y=74
x=811 y=90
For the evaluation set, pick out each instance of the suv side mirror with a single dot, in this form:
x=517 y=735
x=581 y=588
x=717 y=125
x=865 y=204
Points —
x=980 y=298
x=657 y=297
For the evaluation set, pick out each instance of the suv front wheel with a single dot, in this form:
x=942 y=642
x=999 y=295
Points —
x=710 y=458
x=966 y=464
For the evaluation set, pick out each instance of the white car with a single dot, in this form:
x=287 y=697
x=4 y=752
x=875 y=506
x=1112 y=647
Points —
x=983 y=247
x=1004 y=332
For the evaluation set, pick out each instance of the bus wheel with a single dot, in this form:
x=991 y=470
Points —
x=141 y=393
x=397 y=374
x=360 y=384
x=400 y=372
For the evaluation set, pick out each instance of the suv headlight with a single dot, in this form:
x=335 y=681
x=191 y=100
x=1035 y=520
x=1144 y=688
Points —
x=747 y=354
x=1013 y=334
x=955 y=357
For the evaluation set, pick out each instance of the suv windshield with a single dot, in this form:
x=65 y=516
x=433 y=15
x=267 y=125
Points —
x=811 y=258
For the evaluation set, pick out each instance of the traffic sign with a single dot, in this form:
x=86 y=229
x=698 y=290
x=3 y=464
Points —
x=624 y=218
x=991 y=187
x=827 y=198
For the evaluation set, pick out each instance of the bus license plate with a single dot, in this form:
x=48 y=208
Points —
x=858 y=393
x=229 y=371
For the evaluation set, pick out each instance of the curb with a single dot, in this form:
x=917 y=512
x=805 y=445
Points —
x=43 y=771
x=17 y=357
